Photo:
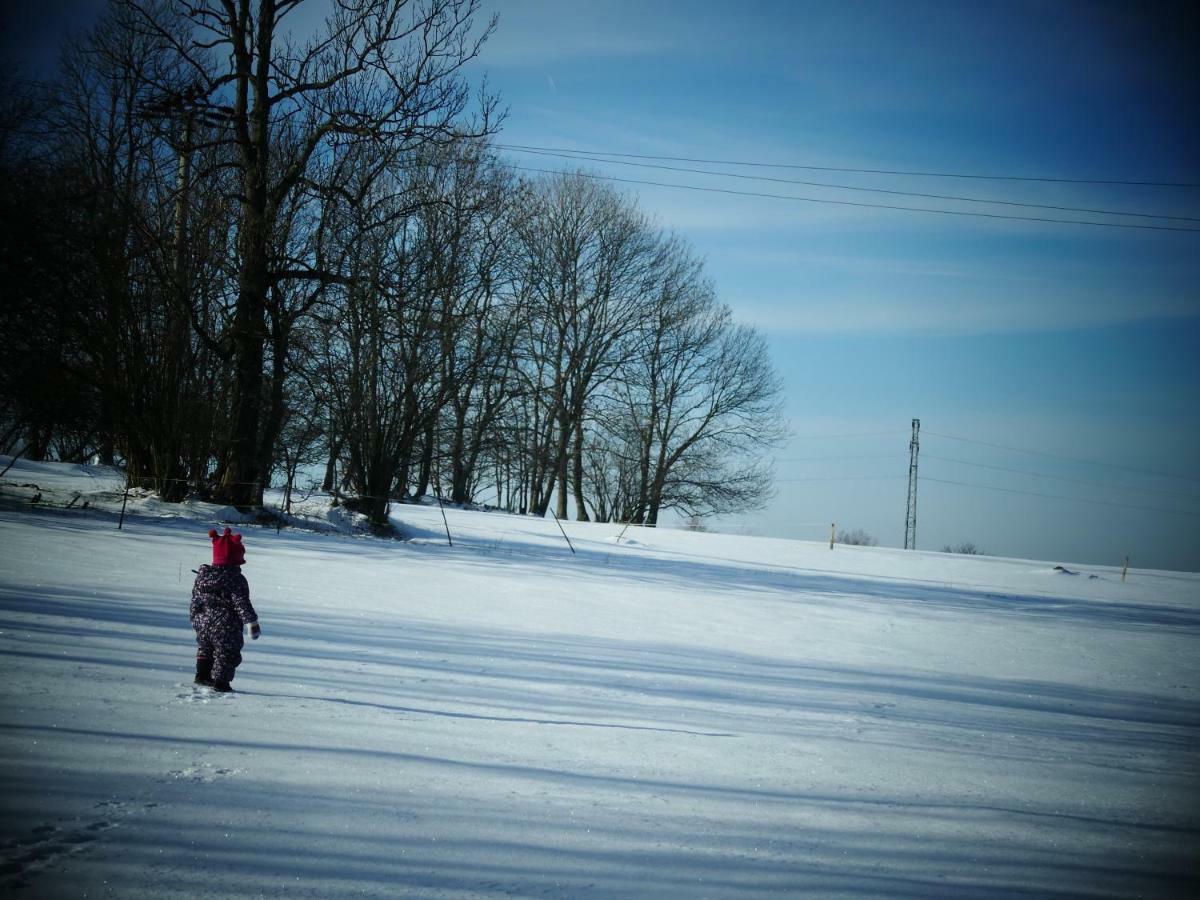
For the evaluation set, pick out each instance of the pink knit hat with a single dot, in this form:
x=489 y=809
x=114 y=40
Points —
x=227 y=548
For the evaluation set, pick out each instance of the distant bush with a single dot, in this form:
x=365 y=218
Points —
x=966 y=548
x=857 y=538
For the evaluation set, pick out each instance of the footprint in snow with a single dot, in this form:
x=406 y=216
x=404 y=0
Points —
x=23 y=857
x=203 y=773
x=194 y=693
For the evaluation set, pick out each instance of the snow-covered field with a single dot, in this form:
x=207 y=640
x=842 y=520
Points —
x=676 y=715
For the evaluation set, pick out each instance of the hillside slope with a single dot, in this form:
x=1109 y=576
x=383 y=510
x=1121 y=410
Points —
x=668 y=715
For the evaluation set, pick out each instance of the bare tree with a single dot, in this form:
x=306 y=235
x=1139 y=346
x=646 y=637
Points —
x=380 y=71
x=120 y=308
x=300 y=435
x=857 y=538
x=407 y=335
x=966 y=548
x=700 y=402
x=40 y=382
x=464 y=219
x=588 y=263
x=379 y=351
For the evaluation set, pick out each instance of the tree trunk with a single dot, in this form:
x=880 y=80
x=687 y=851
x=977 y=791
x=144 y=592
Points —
x=581 y=513
x=559 y=469
x=275 y=409
x=458 y=463
x=379 y=488
x=426 y=471
x=330 y=479
x=240 y=476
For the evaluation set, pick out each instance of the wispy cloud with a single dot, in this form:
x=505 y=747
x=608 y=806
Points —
x=572 y=47
x=552 y=33
x=993 y=311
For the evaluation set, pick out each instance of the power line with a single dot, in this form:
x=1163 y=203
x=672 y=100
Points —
x=806 y=437
x=1081 y=481
x=728 y=162
x=844 y=478
x=848 y=187
x=917 y=209
x=1076 y=459
x=986 y=487
x=835 y=458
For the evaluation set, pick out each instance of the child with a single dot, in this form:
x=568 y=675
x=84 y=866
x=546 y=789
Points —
x=220 y=607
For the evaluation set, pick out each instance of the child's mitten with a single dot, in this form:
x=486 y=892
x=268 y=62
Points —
x=255 y=631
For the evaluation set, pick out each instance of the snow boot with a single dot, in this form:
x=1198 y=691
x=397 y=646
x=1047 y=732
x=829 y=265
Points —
x=222 y=687
x=204 y=671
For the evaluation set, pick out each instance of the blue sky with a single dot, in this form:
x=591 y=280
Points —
x=1081 y=343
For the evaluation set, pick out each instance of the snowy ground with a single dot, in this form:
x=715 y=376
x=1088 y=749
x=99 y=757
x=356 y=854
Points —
x=674 y=715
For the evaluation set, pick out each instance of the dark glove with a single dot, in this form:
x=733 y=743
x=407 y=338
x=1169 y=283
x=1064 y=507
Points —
x=255 y=631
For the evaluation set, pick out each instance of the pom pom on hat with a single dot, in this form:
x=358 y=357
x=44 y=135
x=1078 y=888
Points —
x=228 y=549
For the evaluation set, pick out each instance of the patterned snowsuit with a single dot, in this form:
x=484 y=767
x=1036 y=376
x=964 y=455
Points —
x=220 y=607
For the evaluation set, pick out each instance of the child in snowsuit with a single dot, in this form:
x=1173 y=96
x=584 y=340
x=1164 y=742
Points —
x=220 y=607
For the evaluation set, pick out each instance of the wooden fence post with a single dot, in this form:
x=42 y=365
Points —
x=449 y=540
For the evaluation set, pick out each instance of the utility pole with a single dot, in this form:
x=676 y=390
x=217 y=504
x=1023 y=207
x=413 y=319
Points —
x=910 y=515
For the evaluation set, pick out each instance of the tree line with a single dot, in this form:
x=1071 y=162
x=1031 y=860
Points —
x=232 y=255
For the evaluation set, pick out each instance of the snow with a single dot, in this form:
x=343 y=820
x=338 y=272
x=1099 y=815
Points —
x=674 y=714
